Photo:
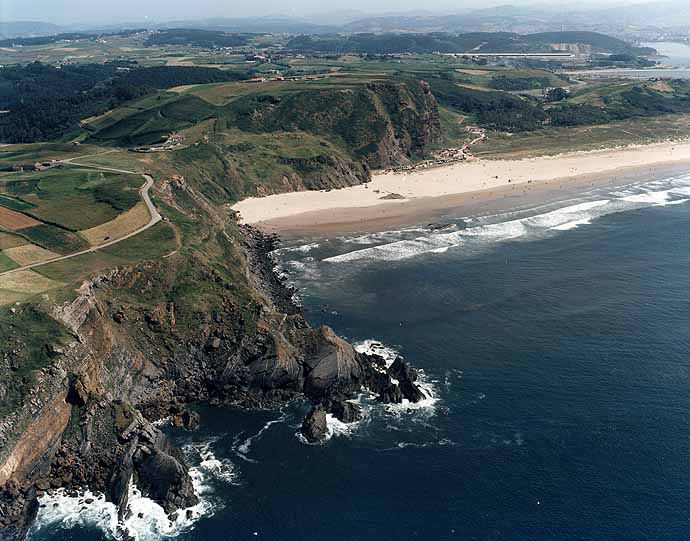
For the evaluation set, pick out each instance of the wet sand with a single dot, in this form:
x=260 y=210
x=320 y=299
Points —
x=458 y=190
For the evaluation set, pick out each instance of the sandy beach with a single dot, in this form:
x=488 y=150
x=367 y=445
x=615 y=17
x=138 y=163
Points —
x=409 y=197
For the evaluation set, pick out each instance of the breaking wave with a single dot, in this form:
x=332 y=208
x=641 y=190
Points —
x=146 y=520
x=426 y=406
x=244 y=448
x=483 y=231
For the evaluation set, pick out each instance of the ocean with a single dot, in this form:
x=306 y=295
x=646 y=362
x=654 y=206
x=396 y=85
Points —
x=554 y=342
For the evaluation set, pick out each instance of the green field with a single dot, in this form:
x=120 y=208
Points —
x=15 y=203
x=8 y=240
x=6 y=263
x=54 y=239
x=152 y=243
x=38 y=152
x=74 y=198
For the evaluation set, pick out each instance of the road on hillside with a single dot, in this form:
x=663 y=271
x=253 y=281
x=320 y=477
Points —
x=143 y=191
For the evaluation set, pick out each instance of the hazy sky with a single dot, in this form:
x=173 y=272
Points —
x=65 y=11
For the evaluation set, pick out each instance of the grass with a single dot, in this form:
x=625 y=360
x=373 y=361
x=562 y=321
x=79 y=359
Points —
x=78 y=268
x=14 y=204
x=29 y=254
x=6 y=263
x=8 y=240
x=38 y=152
x=24 y=334
x=156 y=241
x=159 y=117
x=54 y=239
x=557 y=140
x=128 y=222
x=12 y=297
x=151 y=244
x=76 y=198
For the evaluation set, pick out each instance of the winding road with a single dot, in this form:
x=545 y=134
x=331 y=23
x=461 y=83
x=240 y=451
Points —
x=143 y=191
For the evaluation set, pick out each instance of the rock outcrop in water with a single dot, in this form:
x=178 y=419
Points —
x=210 y=322
x=346 y=412
x=126 y=362
x=315 y=426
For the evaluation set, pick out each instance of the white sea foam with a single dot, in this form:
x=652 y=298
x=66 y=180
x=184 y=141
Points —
x=302 y=248
x=572 y=225
x=245 y=447
x=496 y=228
x=374 y=347
x=440 y=443
x=146 y=520
x=441 y=242
x=681 y=190
x=337 y=428
x=210 y=466
x=334 y=428
x=650 y=197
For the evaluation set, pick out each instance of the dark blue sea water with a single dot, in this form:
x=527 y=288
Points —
x=556 y=344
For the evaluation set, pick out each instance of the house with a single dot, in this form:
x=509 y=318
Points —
x=28 y=167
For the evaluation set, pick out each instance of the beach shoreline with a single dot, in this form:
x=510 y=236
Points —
x=461 y=189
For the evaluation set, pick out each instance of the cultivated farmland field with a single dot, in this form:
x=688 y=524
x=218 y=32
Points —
x=138 y=216
x=27 y=281
x=12 y=221
x=75 y=198
x=28 y=254
x=10 y=241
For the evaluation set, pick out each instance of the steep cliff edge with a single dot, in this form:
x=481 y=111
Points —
x=84 y=372
x=311 y=139
x=138 y=351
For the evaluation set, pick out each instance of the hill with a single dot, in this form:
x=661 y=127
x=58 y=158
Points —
x=47 y=102
x=485 y=42
x=285 y=137
x=12 y=29
x=197 y=38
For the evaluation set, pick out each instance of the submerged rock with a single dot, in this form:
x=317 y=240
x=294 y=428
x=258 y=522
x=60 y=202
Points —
x=315 y=428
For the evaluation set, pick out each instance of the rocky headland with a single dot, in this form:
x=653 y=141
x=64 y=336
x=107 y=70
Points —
x=127 y=365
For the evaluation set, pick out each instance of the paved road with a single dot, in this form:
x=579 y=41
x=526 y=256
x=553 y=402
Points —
x=144 y=191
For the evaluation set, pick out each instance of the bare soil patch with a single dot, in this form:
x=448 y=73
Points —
x=10 y=241
x=12 y=220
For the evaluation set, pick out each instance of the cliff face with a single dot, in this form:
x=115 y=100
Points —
x=382 y=124
x=139 y=350
x=313 y=139
x=85 y=373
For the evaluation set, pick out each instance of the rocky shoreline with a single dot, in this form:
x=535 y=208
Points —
x=109 y=441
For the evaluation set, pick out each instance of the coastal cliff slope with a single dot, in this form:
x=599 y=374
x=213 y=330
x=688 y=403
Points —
x=86 y=370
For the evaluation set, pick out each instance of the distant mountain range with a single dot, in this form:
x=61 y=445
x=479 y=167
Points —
x=485 y=42
x=507 y=18
x=15 y=29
